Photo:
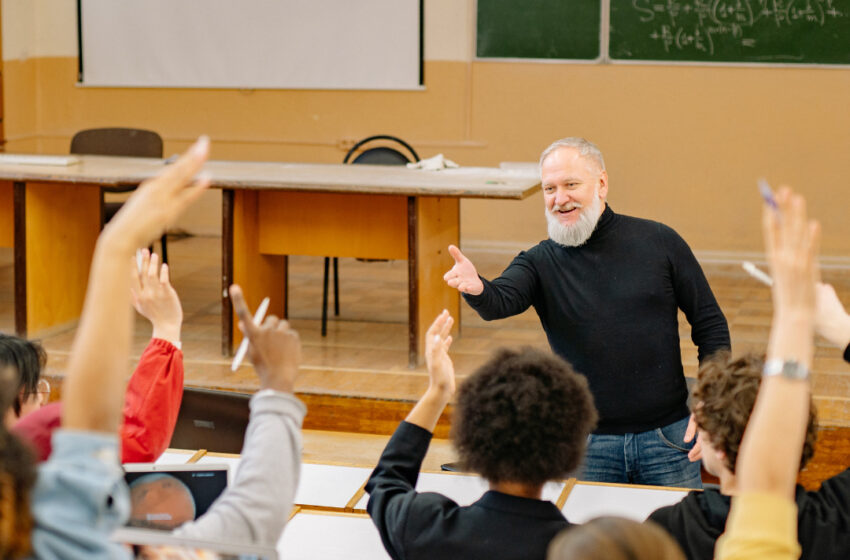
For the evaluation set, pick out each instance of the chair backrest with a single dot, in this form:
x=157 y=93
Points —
x=381 y=155
x=131 y=142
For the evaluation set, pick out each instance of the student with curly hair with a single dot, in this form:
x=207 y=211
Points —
x=520 y=420
x=724 y=396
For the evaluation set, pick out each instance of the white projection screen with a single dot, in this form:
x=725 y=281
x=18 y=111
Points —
x=251 y=44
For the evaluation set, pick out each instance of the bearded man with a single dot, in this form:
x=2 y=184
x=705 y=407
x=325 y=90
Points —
x=607 y=289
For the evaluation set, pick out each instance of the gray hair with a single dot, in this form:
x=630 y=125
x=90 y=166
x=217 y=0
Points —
x=584 y=147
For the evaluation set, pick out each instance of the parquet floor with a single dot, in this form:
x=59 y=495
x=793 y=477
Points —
x=365 y=352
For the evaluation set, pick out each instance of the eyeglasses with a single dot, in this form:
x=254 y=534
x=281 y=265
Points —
x=43 y=390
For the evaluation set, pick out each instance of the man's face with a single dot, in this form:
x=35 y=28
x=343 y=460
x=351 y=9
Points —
x=571 y=183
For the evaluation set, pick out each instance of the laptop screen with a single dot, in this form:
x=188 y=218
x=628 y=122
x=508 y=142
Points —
x=211 y=420
x=166 y=496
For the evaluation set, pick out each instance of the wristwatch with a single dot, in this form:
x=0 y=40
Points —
x=789 y=369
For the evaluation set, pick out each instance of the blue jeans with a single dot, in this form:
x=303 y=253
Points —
x=656 y=457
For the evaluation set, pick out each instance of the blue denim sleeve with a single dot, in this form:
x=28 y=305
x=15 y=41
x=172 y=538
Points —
x=79 y=498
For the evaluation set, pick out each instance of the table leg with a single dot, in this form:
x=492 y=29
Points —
x=260 y=275
x=433 y=224
x=56 y=228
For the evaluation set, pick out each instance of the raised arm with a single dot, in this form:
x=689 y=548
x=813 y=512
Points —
x=770 y=450
x=102 y=343
x=80 y=496
x=256 y=506
x=832 y=321
x=155 y=390
x=763 y=519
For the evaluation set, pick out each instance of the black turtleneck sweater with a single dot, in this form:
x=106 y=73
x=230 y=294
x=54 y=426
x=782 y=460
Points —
x=610 y=308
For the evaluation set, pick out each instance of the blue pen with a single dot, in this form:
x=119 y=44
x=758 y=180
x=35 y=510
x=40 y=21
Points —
x=767 y=194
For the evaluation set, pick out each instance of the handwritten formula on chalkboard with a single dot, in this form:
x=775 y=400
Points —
x=767 y=31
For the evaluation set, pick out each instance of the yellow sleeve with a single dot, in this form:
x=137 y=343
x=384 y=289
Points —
x=762 y=526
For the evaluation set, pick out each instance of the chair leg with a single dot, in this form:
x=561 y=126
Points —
x=336 y=286
x=164 y=249
x=325 y=299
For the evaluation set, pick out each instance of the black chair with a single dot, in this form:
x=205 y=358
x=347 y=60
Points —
x=376 y=153
x=130 y=142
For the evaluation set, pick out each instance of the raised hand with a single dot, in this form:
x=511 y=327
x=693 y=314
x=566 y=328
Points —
x=831 y=320
x=791 y=241
x=97 y=368
x=463 y=275
x=154 y=297
x=274 y=349
x=158 y=202
x=441 y=371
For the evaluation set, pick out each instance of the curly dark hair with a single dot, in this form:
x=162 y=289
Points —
x=523 y=417
x=27 y=358
x=723 y=399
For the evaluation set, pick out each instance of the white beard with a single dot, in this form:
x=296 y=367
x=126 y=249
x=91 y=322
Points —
x=577 y=234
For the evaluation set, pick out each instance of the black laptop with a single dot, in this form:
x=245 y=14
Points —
x=211 y=420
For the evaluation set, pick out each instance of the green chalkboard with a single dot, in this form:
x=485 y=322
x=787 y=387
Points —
x=757 y=31
x=560 y=29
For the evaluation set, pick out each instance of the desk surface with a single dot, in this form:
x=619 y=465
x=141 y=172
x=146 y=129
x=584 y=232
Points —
x=465 y=182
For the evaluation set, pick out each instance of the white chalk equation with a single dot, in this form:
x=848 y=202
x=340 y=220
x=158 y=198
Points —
x=704 y=26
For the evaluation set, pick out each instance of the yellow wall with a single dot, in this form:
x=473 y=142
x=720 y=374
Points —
x=683 y=144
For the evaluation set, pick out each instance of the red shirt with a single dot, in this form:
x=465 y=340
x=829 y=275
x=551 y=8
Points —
x=151 y=405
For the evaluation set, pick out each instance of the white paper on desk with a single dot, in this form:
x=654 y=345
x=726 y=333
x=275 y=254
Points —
x=587 y=501
x=331 y=537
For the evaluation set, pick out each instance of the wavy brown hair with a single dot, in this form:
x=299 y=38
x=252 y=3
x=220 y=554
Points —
x=723 y=399
x=523 y=417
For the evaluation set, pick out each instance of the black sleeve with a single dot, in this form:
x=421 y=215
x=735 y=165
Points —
x=709 y=330
x=394 y=504
x=832 y=501
x=509 y=294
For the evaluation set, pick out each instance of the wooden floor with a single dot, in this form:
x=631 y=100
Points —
x=357 y=380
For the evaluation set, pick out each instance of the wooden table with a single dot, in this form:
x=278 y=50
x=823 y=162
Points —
x=270 y=210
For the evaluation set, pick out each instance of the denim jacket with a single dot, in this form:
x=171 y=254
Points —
x=80 y=498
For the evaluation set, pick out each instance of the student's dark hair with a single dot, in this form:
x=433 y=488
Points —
x=614 y=538
x=27 y=358
x=723 y=399
x=523 y=417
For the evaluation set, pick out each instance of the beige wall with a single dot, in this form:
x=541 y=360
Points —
x=683 y=144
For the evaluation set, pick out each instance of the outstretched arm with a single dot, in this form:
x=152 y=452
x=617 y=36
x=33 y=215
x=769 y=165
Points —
x=441 y=374
x=80 y=495
x=102 y=344
x=832 y=321
x=155 y=390
x=763 y=519
x=771 y=447
x=255 y=508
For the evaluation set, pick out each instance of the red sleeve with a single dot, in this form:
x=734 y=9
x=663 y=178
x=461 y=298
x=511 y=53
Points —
x=152 y=402
x=37 y=428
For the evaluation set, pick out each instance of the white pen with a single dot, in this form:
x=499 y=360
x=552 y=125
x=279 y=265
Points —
x=243 y=348
x=753 y=271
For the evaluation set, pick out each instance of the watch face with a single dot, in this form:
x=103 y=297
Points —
x=789 y=369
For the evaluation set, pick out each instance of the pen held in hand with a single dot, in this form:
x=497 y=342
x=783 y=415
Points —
x=243 y=348
x=753 y=271
x=767 y=194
